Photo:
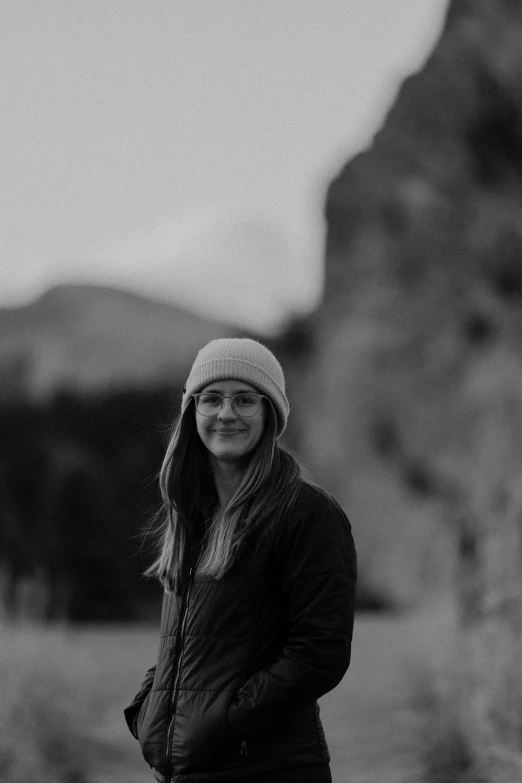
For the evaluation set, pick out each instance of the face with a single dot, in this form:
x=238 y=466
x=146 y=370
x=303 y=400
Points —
x=228 y=436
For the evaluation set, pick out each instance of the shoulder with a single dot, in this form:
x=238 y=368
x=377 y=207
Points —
x=317 y=533
x=312 y=500
x=316 y=515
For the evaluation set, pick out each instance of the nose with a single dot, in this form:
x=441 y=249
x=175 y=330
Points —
x=227 y=411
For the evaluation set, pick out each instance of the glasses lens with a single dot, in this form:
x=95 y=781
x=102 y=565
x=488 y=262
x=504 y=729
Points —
x=246 y=404
x=208 y=404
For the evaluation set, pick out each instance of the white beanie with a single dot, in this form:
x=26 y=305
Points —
x=242 y=359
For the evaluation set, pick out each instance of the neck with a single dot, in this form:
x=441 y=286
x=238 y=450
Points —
x=227 y=478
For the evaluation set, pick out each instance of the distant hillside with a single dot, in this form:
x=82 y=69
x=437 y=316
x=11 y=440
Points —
x=88 y=338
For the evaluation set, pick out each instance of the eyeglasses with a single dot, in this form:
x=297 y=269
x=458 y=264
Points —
x=244 y=404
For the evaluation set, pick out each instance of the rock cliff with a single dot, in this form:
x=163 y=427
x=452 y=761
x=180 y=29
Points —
x=420 y=329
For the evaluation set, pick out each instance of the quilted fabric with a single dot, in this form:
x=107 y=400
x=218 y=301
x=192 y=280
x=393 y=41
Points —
x=234 y=692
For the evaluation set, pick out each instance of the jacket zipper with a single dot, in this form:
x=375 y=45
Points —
x=175 y=689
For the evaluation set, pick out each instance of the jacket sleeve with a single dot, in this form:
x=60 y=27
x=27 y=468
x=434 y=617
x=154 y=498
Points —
x=132 y=711
x=319 y=569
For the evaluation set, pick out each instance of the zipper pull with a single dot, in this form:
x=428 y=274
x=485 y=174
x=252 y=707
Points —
x=244 y=749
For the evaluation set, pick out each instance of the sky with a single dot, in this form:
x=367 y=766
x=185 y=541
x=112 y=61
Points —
x=182 y=148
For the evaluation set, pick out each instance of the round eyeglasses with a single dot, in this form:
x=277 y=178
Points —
x=244 y=403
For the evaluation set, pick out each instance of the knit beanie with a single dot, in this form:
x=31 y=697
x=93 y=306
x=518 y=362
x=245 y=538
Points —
x=240 y=359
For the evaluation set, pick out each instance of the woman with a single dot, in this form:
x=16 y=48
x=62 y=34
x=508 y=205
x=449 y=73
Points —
x=259 y=571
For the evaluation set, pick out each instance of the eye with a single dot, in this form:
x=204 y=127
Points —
x=246 y=402
x=246 y=399
x=212 y=400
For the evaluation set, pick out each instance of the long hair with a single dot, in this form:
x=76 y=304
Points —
x=264 y=497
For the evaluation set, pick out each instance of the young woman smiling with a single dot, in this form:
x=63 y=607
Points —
x=259 y=571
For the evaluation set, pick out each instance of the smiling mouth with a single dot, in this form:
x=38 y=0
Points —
x=227 y=432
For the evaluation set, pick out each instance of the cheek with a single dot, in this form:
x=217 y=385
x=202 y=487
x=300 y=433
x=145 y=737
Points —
x=258 y=429
x=201 y=426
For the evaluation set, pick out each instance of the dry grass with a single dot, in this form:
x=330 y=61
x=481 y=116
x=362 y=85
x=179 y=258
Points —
x=446 y=754
x=471 y=736
x=379 y=721
x=393 y=718
x=61 y=709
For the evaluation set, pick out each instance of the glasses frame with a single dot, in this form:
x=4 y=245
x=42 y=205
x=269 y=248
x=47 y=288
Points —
x=232 y=398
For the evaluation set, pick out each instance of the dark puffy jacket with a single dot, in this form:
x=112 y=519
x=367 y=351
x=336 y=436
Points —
x=243 y=659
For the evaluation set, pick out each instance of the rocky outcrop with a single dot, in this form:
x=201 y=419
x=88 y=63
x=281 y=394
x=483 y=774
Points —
x=423 y=302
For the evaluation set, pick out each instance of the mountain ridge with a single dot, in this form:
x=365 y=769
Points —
x=89 y=338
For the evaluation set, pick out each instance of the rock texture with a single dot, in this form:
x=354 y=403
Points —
x=420 y=329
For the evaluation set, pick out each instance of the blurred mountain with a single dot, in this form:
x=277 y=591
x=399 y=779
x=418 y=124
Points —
x=420 y=330
x=88 y=338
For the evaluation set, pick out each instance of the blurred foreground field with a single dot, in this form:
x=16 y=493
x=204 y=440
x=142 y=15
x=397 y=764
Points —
x=63 y=692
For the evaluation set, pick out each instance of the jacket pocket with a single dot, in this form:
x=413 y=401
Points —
x=200 y=735
x=141 y=714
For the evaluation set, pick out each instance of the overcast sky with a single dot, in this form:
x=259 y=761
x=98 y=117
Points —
x=181 y=148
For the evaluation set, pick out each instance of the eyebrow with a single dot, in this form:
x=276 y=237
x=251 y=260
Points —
x=235 y=391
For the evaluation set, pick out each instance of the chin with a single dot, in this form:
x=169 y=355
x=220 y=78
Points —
x=230 y=455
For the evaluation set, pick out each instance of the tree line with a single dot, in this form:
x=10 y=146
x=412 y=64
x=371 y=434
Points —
x=77 y=488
